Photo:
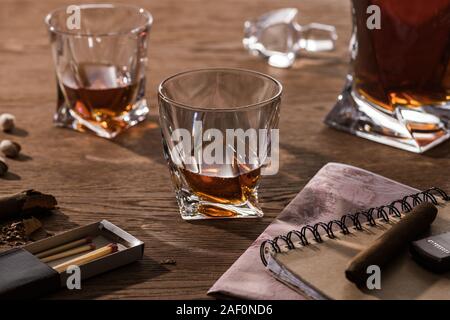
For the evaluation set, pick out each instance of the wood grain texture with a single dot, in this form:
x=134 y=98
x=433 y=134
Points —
x=127 y=182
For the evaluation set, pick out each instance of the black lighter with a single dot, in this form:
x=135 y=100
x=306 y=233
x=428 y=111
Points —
x=433 y=252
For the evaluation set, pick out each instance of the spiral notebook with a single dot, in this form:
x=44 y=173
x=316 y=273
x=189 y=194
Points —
x=334 y=190
x=312 y=259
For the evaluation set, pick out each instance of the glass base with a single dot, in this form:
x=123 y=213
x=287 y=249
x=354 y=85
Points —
x=415 y=129
x=68 y=118
x=193 y=208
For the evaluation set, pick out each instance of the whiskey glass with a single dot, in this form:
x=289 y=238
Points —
x=398 y=88
x=220 y=135
x=100 y=62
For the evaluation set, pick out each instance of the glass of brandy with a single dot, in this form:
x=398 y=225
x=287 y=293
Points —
x=100 y=55
x=398 y=88
x=220 y=135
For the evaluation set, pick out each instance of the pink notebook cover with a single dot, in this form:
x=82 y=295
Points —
x=335 y=190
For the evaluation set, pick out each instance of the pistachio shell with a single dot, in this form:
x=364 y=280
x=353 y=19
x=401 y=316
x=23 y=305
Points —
x=9 y=148
x=3 y=167
x=7 y=122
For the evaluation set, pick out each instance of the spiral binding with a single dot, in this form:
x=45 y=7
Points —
x=370 y=216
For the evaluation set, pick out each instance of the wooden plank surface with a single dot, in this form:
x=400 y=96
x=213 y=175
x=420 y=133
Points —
x=127 y=182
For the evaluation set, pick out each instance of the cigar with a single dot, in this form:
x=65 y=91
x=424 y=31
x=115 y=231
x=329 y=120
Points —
x=88 y=257
x=68 y=253
x=25 y=203
x=391 y=243
x=63 y=247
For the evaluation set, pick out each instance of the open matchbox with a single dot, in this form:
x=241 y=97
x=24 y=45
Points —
x=24 y=276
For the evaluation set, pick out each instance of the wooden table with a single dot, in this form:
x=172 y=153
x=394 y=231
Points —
x=127 y=182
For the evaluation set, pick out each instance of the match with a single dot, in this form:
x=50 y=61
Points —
x=88 y=257
x=63 y=247
x=69 y=253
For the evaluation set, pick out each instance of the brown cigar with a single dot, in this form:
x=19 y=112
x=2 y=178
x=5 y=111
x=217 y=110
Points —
x=391 y=243
x=24 y=203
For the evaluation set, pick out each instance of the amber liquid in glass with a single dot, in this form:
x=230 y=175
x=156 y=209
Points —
x=224 y=190
x=405 y=63
x=104 y=96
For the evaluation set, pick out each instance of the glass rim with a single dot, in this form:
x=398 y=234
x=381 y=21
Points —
x=137 y=29
x=276 y=96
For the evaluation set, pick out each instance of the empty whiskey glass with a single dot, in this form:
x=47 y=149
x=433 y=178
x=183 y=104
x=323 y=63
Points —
x=100 y=55
x=220 y=135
